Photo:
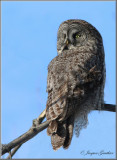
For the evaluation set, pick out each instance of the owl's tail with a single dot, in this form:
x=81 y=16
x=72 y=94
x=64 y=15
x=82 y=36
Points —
x=61 y=133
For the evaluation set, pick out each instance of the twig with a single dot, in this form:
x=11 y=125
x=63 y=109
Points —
x=25 y=137
x=35 y=123
x=10 y=155
x=36 y=128
x=13 y=151
x=39 y=119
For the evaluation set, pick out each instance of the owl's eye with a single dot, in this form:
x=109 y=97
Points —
x=76 y=35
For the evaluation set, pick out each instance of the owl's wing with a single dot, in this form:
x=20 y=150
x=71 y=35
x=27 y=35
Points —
x=60 y=128
x=56 y=103
x=57 y=88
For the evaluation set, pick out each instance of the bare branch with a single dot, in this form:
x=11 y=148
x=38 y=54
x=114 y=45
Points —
x=109 y=107
x=13 y=152
x=36 y=128
x=33 y=131
x=39 y=119
x=36 y=122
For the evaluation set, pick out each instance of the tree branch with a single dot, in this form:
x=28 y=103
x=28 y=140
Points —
x=36 y=122
x=35 y=129
x=25 y=137
x=13 y=151
x=109 y=107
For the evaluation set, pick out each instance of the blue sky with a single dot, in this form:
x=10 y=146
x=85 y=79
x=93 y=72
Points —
x=29 y=31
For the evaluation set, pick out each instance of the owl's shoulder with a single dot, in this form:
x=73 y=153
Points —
x=65 y=58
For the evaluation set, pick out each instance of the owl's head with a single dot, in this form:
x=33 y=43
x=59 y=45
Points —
x=77 y=35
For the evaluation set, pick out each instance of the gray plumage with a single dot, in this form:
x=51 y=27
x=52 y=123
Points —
x=75 y=83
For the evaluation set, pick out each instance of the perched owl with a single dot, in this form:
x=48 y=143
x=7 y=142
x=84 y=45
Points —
x=75 y=83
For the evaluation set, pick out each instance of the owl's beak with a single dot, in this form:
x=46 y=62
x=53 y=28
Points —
x=67 y=42
x=66 y=45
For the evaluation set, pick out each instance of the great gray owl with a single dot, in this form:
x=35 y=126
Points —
x=75 y=83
